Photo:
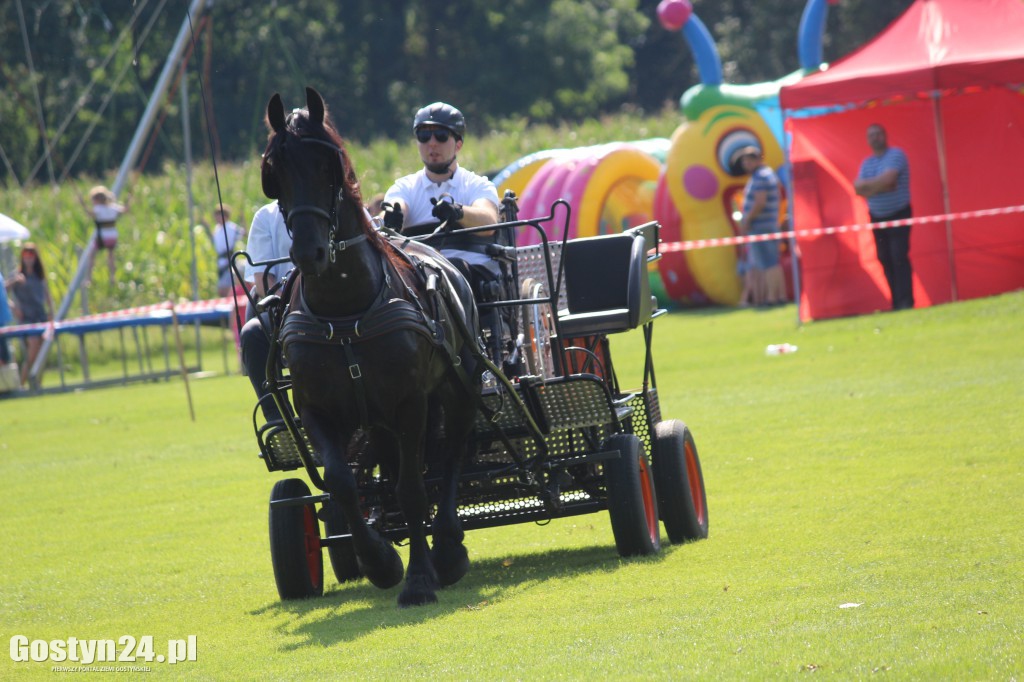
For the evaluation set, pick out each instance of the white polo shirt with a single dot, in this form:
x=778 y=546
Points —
x=417 y=190
x=268 y=239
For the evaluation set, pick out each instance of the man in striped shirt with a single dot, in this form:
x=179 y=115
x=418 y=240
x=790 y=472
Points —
x=884 y=180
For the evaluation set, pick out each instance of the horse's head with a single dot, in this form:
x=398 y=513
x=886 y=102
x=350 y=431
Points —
x=305 y=167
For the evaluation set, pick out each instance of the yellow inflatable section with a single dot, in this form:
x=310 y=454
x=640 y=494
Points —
x=607 y=186
x=518 y=174
x=706 y=192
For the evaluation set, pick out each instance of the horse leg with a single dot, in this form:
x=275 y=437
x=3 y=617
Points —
x=449 y=555
x=420 y=578
x=378 y=560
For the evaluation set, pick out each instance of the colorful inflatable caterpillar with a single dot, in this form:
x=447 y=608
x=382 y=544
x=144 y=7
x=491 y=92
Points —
x=685 y=183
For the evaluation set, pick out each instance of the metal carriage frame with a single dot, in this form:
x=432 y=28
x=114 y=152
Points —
x=564 y=441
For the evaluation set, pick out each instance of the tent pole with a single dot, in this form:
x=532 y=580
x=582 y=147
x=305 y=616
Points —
x=794 y=263
x=793 y=253
x=940 y=141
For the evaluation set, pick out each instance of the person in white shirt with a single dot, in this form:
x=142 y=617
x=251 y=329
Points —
x=225 y=235
x=268 y=240
x=443 y=190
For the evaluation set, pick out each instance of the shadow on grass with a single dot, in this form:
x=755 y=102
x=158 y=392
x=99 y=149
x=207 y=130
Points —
x=354 y=610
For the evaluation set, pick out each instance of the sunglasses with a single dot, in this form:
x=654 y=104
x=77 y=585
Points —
x=440 y=135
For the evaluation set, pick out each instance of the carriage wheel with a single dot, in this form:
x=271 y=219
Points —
x=632 y=504
x=295 y=543
x=538 y=328
x=679 y=482
x=343 y=555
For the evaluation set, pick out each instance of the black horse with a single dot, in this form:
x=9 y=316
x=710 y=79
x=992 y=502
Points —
x=374 y=341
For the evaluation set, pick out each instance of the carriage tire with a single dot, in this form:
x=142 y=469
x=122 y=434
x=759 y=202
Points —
x=679 y=481
x=343 y=555
x=632 y=501
x=295 y=549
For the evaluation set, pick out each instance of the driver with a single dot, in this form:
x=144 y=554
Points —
x=444 y=191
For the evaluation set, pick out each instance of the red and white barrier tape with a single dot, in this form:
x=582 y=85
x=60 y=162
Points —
x=139 y=311
x=228 y=302
x=818 y=231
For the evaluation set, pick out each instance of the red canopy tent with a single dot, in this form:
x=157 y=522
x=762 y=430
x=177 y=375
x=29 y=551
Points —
x=946 y=80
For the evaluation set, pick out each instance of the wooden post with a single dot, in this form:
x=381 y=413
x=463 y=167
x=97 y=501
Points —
x=181 y=359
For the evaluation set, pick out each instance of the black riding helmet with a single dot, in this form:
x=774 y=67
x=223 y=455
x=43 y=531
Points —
x=443 y=115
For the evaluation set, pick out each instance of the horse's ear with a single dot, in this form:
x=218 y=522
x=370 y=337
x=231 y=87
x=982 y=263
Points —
x=275 y=113
x=315 y=104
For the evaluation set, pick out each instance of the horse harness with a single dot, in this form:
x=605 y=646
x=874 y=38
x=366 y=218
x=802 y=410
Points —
x=395 y=308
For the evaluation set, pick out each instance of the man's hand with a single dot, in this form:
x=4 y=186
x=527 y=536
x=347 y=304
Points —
x=446 y=209
x=393 y=216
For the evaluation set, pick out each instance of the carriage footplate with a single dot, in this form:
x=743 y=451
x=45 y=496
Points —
x=278 y=448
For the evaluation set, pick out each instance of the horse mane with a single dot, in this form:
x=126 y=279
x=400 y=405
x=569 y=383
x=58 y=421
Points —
x=300 y=125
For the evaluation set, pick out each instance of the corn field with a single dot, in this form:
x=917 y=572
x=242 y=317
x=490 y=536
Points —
x=154 y=251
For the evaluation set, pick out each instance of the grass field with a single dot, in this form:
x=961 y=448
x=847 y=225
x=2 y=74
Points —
x=864 y=496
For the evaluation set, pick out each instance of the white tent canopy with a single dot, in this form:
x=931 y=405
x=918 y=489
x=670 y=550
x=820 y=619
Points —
x=11 y=229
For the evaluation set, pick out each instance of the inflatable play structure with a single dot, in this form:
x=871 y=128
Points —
x=685 y=183
x=609 y=187
x=946 y=80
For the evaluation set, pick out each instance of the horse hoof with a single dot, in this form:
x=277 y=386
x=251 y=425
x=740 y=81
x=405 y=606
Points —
x=419 y=590
x=451 y=561
x=386 y=570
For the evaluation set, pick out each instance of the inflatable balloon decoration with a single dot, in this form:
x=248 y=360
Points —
x=686 y=183
x=721 y=119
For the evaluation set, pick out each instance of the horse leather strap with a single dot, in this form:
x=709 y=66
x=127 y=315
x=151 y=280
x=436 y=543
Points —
x=394 y=314
x=357 y=383
x=445 y=307
x=456 y=315
x=383 y=317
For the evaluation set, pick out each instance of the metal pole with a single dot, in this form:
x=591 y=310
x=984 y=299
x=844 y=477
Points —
x=940 y=142
x=135 y=147
x=187 y=134
x=129 y=160
x=790 y=214
x=35 y=90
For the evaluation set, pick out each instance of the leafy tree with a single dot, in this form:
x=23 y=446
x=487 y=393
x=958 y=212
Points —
x=96 y=63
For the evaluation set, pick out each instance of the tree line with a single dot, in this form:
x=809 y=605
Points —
x=94 y=64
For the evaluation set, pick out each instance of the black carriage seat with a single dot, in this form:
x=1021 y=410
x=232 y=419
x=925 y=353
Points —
x=606 y=282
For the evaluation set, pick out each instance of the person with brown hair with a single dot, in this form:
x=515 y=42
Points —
x=32 y=301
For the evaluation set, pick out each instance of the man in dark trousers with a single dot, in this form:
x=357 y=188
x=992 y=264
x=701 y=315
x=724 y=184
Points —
x=884 y=180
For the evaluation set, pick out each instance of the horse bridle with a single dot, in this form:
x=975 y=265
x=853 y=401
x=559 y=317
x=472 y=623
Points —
x=333 y=247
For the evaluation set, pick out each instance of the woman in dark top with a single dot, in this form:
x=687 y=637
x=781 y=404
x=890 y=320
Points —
x=32 y=301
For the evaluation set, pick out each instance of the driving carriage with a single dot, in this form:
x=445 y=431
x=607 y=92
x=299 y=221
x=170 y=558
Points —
x=550 y=430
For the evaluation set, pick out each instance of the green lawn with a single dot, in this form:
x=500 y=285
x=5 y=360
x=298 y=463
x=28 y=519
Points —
x=879 y=469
